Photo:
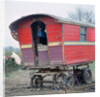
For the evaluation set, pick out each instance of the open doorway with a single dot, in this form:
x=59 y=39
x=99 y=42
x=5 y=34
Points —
x=40 y=45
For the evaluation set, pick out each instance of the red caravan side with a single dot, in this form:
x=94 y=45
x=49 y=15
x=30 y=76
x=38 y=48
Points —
x=25 y=41
x=64 y=45
x=54 y=34
x=76 y=51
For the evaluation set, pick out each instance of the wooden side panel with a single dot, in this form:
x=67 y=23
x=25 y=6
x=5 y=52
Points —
x=55 y=55
x=76 y=51
x=43 y=58
x=25 y=39
x=54 y=32
x=91 y=34
x=28 y=56
x=79 y=53
x=71 y=32
x=25 y=35
x=48 y=20
x=25 y=23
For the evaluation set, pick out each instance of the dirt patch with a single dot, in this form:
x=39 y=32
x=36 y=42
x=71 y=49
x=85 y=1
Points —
x=18 y=84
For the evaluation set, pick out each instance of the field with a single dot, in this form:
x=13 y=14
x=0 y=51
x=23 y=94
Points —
x=18 y=84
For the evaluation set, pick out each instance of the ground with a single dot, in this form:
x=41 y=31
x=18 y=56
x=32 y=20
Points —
x=18 y=84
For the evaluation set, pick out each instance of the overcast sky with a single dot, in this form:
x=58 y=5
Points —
x=17 y=9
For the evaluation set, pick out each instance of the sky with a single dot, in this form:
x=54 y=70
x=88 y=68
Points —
x=16 y=9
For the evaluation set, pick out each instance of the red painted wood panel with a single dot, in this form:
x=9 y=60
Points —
x=25 y=23
x=77 y=54
x=91 y=34
x=71 y=32
x=25 y=35
x=54 y=32
x=48 y=20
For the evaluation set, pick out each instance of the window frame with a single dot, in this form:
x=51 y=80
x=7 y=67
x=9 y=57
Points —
x=85 y=34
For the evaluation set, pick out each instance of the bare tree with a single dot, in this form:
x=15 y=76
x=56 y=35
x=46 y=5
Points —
x=82 y=15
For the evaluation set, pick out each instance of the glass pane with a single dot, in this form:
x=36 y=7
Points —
x=83 y=30
x=82 y=37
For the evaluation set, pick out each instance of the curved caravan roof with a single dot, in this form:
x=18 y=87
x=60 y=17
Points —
x=58 y=19
x=14 y=25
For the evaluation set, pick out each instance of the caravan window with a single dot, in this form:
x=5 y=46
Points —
x=83 y=33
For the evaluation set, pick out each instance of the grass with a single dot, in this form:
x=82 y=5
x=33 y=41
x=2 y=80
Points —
x=9 y=53
x=92 y=66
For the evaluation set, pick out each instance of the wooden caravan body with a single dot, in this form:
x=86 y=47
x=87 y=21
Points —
x=68 y=42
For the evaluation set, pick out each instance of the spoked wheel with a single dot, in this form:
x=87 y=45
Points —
x=61 y=80
x=65 y=80
x=37 y=81
x=70 y=81
x=87 y=76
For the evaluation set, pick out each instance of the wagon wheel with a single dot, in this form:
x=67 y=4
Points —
x=61 y=80
x=70 y=81
x=36 y=81
x=87 y=76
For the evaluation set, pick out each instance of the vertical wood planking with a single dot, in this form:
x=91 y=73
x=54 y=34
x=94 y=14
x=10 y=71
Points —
x=55 y=55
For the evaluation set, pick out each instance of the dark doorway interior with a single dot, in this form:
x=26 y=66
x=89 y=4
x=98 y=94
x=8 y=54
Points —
x=39 y=37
